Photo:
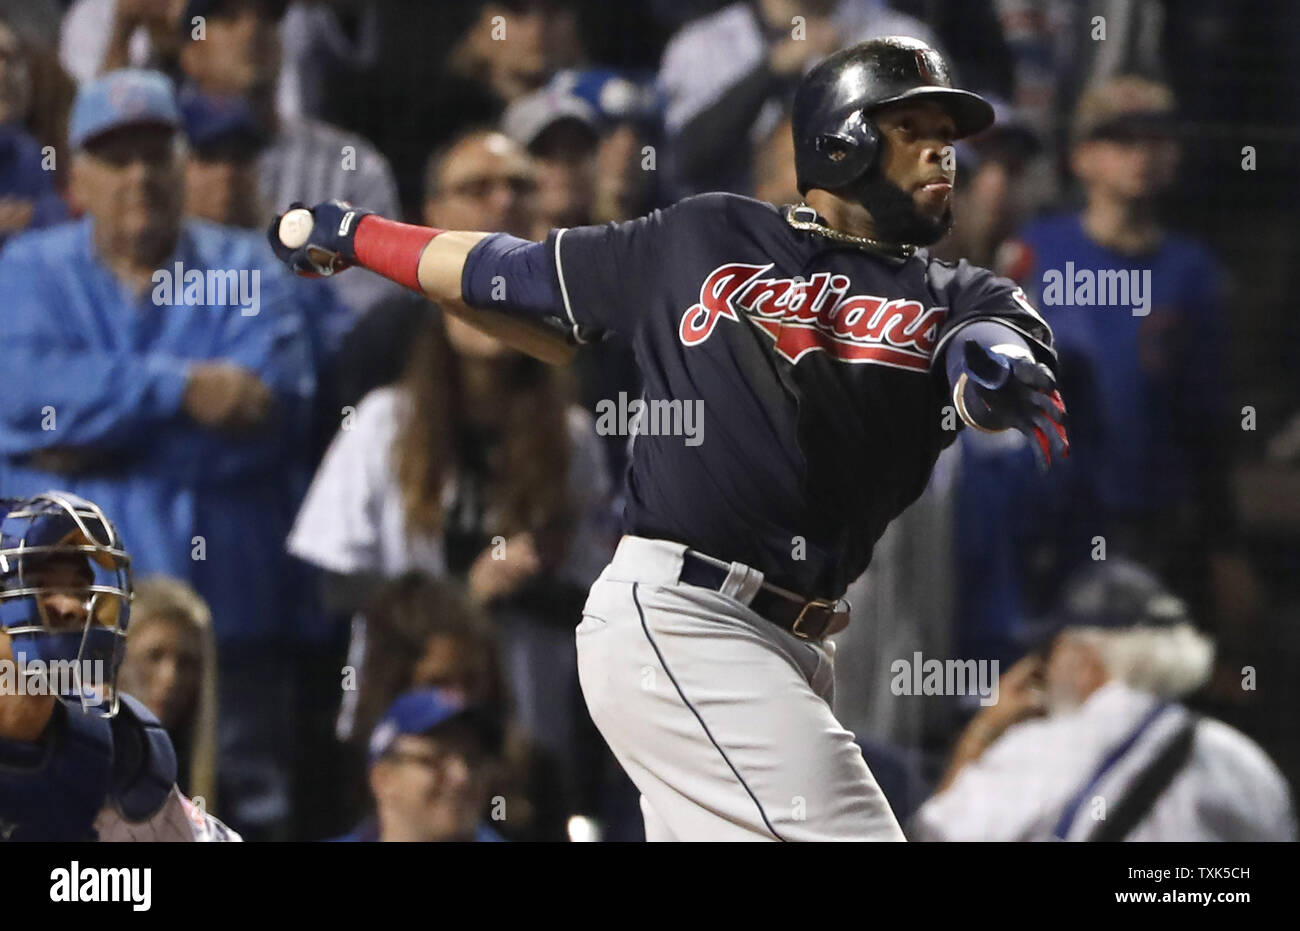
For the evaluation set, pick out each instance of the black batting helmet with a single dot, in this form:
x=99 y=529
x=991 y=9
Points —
x=835 y=139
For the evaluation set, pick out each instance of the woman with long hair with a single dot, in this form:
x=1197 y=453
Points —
x=475 y=466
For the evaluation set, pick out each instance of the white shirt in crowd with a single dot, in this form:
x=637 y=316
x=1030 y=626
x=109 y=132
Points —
x=353 y=520
x=87 y=28
x=1229 y=790
x=711 y=54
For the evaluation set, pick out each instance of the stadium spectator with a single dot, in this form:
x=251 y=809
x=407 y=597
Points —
x=559 y=130
x=480 y=179
x=221 y=180
x=171 y=666
x=726 y=76
x=1089 y=739
x=319 y=39
x=421 y=632
x=397 y=492
x=481 y=174
x=625 y=113
x=451 y=467
x=445 y=67
x=774 y=174
x=50 y=91
x=324 y=39
x=104 y=35
x=587 y=132
x=430 y=764
x=1139 y=321
x=1059 y=48
x=450 y=471
x=515 y=46
x=305 y=159
x=194 y=373
x=27 y=195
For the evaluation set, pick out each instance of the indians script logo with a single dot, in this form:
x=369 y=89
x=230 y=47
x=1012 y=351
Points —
x=805 y=316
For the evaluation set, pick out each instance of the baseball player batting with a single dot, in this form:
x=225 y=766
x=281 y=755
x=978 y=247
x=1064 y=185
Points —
x=832 y=357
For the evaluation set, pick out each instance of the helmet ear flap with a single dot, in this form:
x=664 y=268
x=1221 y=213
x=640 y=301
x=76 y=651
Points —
x=835 y=147
x=845 y=154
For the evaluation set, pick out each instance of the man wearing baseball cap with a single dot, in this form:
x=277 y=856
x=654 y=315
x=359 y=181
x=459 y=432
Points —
x=240 y=56
x=1140 y=316
x=429 y=760
x=221 y=175
x=165 y=368
x=1089 y=739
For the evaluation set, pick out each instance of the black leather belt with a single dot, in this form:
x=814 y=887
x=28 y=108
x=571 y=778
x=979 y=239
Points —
x=807 y=619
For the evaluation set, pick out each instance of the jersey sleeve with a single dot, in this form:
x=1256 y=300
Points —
x=606 y=273
x=972 y=293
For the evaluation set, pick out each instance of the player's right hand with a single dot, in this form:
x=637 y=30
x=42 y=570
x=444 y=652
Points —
x=329 y=247
x=1003 y=390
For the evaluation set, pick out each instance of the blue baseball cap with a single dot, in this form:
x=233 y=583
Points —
x=129 y=97
x=220 y=123
x=418 y=712
x=596 y=99
x=1113 y=594
x=615 y=96
x=1116 y=594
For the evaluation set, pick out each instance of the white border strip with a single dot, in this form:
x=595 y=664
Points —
x=564 y=290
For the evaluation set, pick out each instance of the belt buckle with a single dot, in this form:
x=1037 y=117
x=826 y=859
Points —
x=819 y=603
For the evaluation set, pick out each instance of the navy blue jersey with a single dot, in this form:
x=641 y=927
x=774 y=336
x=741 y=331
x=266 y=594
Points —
x=811 y=362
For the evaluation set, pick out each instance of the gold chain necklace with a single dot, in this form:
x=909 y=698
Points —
x=889 y=249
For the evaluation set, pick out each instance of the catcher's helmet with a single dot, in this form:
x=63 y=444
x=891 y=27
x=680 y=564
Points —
x=835 y=139
x=65 y=596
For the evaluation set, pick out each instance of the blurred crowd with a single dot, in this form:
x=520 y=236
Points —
x=318 y=494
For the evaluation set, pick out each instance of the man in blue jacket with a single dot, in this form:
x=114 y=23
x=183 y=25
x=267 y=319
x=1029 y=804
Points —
x=1141 y=326
x=164 y=368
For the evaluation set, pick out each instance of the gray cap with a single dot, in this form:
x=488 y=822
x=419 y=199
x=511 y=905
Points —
x=527 y=118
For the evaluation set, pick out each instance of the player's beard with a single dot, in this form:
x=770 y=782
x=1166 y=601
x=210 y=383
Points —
x=895 y=215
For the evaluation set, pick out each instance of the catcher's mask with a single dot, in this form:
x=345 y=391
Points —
x=66 y=598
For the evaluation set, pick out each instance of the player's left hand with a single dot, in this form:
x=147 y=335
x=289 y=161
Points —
x=328 y=249
x=1001 y=390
